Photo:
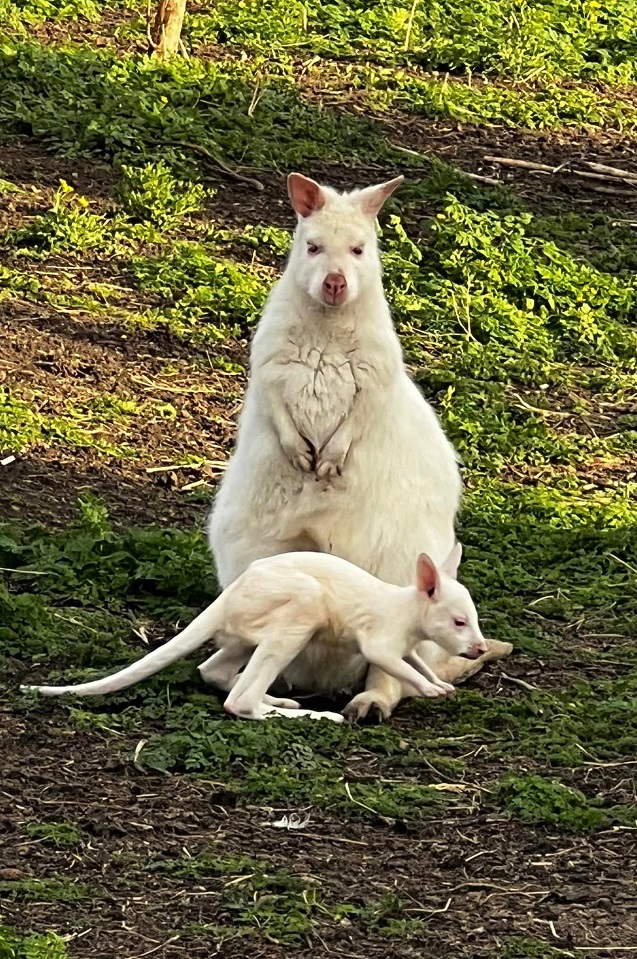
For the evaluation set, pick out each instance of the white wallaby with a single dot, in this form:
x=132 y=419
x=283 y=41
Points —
x=337 y=450
x=282 y=604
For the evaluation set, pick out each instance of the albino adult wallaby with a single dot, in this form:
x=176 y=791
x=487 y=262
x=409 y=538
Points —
x=270 y=614
x=337 y=450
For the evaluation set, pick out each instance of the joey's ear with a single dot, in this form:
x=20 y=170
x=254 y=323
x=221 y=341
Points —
x=427 y=576
x=306 y=195
x=372 y=198
x=452 y=562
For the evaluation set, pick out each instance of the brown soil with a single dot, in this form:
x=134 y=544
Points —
x=477 y=878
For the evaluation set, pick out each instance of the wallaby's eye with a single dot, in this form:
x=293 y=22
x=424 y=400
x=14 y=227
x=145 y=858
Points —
x=357 y=250
x=313 y=249
x=459 y=622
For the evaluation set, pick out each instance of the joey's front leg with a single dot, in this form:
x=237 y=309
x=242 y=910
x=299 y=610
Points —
x=297 y=448
x=330 y=459
x=382 y=695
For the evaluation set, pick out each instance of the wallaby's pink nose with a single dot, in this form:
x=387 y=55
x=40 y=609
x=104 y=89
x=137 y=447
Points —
x=334 y=289
x=476 y=651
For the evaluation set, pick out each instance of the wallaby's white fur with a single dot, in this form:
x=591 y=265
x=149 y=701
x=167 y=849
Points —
x=270 y=614
x=337 y=449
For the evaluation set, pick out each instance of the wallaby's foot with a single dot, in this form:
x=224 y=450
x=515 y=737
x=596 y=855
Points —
x=457 y=669
x=301 y=714
x=365 y=703
x=282 y=703
x=267 y=711
x=314 y=714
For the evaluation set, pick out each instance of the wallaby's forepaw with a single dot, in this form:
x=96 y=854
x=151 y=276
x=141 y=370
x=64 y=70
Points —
x=438 y=690
x=368 y=702
x=301 y=454
x=328 y=470
x=330 y=462
x=303 y=462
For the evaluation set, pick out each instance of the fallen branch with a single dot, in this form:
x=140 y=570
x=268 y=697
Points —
x=490 y=180
x=204 y=151
x=519 y=682
x=612 y=189
x=611 y=170
x=563 y=168
x=523 y=164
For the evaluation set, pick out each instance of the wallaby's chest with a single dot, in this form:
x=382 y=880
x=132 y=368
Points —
x=322 y=378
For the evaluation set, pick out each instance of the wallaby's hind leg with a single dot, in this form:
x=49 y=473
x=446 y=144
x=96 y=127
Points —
x=222 y=667
x=276 y=650
x=273 y=653
x=222 y=670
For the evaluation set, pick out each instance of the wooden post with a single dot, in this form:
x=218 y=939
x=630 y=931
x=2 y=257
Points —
x=166 y=32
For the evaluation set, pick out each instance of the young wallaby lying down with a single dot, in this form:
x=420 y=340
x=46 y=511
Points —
x=277 y=607
x=337 y=450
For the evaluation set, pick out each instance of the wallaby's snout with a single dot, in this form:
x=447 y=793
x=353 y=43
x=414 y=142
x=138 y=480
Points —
x=334 y=289
x=476 y=651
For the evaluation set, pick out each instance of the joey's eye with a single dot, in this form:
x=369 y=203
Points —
x=357 y=250
x=312 y=249
x=459 y=622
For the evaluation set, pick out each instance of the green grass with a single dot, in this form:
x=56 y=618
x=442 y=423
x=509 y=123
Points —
x=84 y=101
x=256 y=898
x=22 y=425
x=583 y=40
x=14 y=945
x=548 y=801
x=81 y=101
x=62 y=835
x=47 y=890
x=526 y=947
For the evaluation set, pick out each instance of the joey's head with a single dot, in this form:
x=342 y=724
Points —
x=449 y=616
x=335 y=251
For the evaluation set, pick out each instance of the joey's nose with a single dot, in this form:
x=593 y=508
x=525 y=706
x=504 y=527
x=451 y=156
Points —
x=334 y=289
x=476 y=650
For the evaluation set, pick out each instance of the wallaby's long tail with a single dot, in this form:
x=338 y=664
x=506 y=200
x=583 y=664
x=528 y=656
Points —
x=191 y=638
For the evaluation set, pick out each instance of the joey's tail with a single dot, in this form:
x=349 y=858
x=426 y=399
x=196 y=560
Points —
x=191 y=638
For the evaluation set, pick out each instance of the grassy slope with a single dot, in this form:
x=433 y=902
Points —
x=518 y=320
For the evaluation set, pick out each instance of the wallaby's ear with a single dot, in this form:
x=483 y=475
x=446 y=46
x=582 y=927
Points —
x=372 y=198
x=305 y=194
x=452 y=562
x=427 y=576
